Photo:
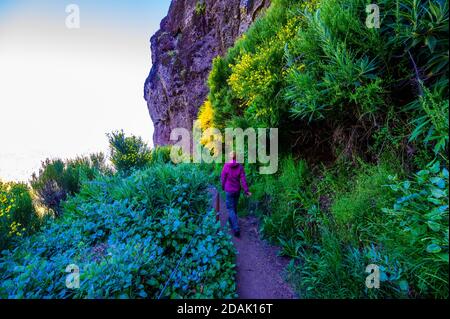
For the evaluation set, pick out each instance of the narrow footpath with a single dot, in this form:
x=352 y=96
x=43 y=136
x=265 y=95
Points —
x=260 y=270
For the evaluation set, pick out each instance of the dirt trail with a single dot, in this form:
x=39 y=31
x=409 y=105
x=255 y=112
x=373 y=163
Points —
x=259 y=268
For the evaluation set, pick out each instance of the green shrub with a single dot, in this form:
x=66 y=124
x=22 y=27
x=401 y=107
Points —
x=247 y=81
x=408 y=242
x=365 y=200
x=336 y=87
x=58 y=179
x=315 y=68
x=421 y=216
x=200 y=7
x=431 y=124
x=325 y=273
x=128 y=153
x=284 y=200
x=160 y=155
x=332 y=74
x=127 y=236
x=18 y=217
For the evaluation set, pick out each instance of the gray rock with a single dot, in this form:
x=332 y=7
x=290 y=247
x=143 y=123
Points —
x=190 y=37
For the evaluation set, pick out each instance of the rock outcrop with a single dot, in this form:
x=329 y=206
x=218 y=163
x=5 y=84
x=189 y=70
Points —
x=190 y=37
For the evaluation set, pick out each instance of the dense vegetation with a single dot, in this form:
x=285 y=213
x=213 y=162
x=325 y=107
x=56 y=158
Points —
x=58 y=179
x=25 y=208
x=18 y=217
x=363 y=178
x=363 y=118
x=146 y=231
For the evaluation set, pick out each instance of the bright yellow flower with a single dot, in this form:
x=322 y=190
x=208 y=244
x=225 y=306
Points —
x=206 y=115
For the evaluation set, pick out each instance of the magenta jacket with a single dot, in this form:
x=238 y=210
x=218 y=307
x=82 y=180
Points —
x=233 y=176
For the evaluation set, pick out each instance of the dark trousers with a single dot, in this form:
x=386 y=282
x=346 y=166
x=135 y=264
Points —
x=232 y=202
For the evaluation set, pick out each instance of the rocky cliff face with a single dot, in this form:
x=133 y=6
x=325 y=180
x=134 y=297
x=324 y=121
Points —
x=193 y=33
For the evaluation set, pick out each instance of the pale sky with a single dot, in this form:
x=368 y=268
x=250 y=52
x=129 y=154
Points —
x=62 y=90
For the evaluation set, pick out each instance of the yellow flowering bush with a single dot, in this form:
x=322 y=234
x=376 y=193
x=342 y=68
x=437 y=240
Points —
x=206 y=115
x=17 y=213
x=246 y=83
x=5 y=205
x=15 y=229
x=254 y=79
x=310 y=5
x=248 y=79
x=290 y=29
x=206 y=122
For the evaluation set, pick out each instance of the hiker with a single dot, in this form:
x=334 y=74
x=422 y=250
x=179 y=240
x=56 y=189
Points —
x=232 y=178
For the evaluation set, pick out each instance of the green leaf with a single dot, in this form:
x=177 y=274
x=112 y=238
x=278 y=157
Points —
x=434 y=226
x=404 y=285
x=433 y=248
x=419 y=230
x=435 y=168
x=394 y=188
x=423 y=173
x=437 y=193
x=439 y=182
x=434 y=215
x=383 y=276
x=434 y=200
x=445 y=173
x=153 y=282
x=443 y=256
x=431 y=41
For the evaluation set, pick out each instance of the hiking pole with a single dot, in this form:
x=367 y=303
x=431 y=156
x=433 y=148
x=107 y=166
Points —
x=217 y=206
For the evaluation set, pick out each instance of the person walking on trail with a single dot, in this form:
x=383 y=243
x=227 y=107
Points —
x=232 y=178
